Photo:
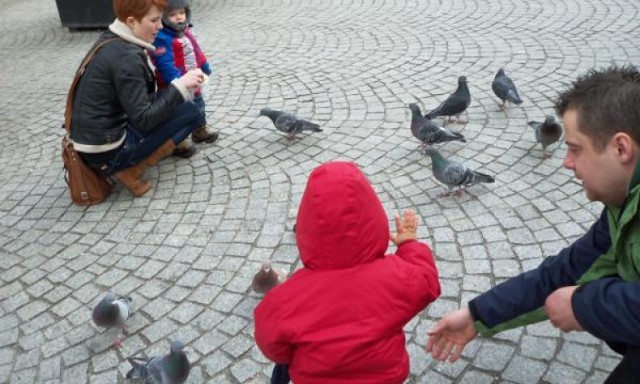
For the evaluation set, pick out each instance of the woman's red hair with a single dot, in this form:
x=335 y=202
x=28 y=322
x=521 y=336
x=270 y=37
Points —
x=135 y=8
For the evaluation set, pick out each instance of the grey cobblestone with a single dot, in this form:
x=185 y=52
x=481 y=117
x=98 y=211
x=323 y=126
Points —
x=186 y=252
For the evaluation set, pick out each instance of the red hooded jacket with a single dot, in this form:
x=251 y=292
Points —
x=340 y=318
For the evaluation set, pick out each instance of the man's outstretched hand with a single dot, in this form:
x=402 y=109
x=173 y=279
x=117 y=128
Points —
x=451 y=334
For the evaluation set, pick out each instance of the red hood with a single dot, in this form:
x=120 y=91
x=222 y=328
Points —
x=341 y=222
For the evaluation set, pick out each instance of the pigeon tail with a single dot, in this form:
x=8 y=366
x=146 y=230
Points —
x=483 y=178
x=432 y=114
x=308 y=126
x=534 y=124
x=513 y=97
x=459 y=136
x=138 y=368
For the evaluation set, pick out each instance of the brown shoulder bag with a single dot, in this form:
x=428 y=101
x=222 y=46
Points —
x=86 y=186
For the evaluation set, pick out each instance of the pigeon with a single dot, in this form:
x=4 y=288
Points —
x=455 y=104
x=547 y=132
x=289 y=123
x=172 y=368
x=454 y=174
x=267 y=278
x=504 y=88
x=112 y=312
x=428 y=132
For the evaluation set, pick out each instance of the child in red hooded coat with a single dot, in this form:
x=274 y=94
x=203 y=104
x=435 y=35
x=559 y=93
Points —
x=340 y=318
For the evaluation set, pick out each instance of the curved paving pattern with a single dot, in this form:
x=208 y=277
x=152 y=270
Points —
x=187 y=251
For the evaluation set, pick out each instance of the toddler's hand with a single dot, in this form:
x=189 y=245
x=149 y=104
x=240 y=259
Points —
x=406 y=228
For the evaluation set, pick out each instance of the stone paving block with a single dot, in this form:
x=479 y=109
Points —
x=25 y=376
x=49 y=369
x=576 y=355
x=523 y=370
x=562 y=373
x=244 y=370
x=493 y=356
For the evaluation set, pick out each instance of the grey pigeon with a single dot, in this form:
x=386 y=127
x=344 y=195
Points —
x=455 y=104
x=112 y=312
x=428 y=132
x=289 y=123
x=172 y=368
x=504 y=88
x=267 y=278
x=547 y=132
x=454 y=174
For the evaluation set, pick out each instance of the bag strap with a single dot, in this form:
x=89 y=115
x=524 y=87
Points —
x=74 y=83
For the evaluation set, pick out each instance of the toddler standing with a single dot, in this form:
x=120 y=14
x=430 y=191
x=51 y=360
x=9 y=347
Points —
x=340 y=318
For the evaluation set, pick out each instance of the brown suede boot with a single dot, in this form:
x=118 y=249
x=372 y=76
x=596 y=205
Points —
x=203 y=135
x=184 y=150
x=130 y=177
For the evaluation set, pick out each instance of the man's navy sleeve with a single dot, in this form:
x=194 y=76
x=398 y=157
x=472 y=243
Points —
x=520 y=300
x=609 y=309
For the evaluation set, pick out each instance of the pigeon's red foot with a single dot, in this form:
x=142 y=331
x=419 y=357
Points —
x=459 y=192
x=117 y=343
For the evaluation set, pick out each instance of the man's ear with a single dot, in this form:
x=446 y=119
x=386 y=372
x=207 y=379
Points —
x=626 y=149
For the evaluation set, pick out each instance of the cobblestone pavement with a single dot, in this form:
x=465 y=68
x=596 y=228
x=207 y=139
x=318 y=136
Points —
x=186 y=252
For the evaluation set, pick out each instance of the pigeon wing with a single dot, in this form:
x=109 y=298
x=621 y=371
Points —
x=175 y=369
x=427 y=132
x=124 y=309
x=105 y=314
x=454 y=105
x=145 y=369
x=154 y=371
x=454 y=174
x=549 y=134
x=536 y=128
x=286 y=123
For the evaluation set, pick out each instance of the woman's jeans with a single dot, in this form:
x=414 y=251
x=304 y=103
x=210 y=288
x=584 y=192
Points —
x=139 y=145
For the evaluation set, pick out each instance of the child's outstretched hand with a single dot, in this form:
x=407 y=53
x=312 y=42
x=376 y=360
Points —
x=406 y=228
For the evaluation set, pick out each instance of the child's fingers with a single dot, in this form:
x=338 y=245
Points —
x=410 y=217
x=399 y=223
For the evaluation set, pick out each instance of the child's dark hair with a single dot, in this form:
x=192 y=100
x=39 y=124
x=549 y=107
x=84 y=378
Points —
x=607 y=102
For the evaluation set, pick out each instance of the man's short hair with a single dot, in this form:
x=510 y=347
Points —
x=607 y=102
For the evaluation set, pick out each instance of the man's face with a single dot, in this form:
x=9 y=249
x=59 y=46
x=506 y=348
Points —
x=601 y=173
x=177 y=16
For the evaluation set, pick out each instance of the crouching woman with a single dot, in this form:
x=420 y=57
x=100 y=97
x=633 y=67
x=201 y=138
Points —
x=121 y=125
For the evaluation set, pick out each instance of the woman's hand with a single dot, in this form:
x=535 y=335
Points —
x=406 y=229
x=193 y=79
